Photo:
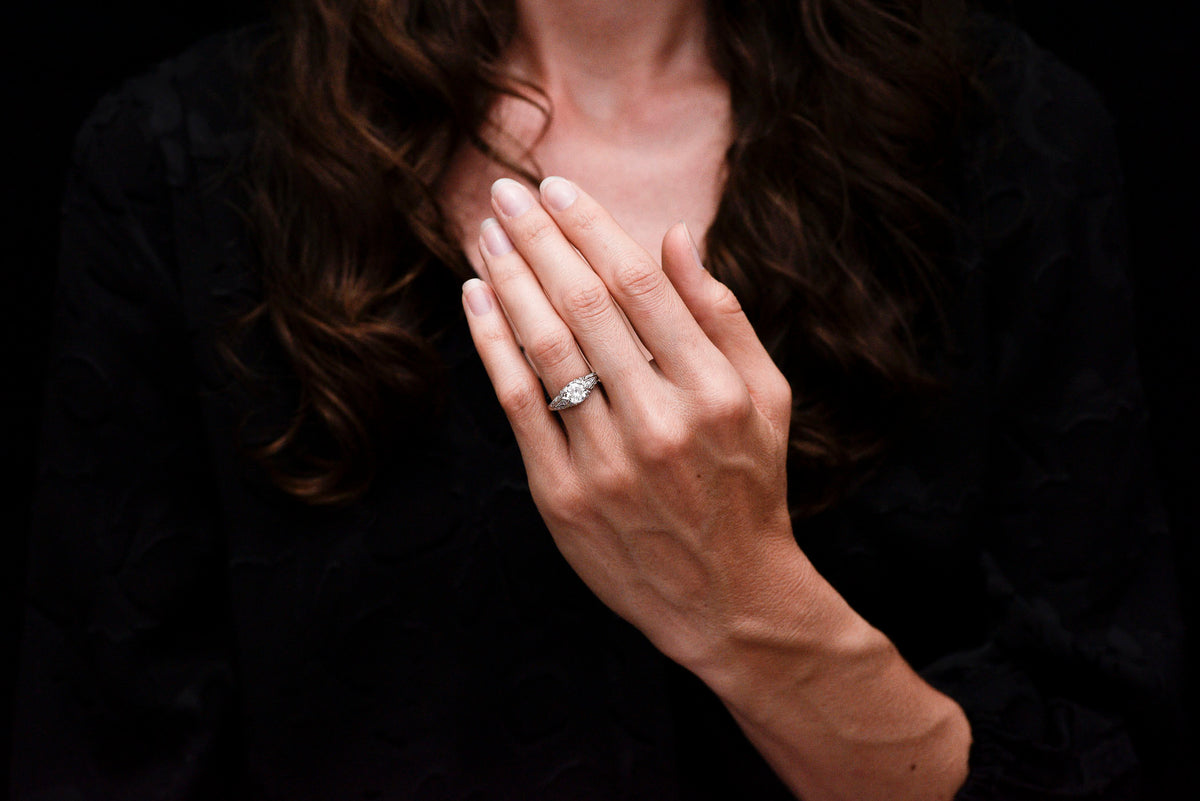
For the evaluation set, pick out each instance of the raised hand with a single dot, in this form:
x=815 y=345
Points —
x=666 y=488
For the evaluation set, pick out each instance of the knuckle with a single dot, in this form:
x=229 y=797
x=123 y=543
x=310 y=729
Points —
x=586 y=219
x=559 y=501
x=638 y=277
x=782 y=394
x=537 y=230
x=608 y=479
x=662 y=444
x=550 y=350
x=727 y=405
x=520 y=399
x=565 y=496
x=726 y=304
x=494 y=337
x=586 y=302
x=505 y=273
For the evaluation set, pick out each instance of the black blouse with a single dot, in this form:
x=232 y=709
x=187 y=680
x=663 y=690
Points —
x=193 y=634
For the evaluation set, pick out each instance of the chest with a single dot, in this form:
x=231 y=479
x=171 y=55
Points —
x=649 y=177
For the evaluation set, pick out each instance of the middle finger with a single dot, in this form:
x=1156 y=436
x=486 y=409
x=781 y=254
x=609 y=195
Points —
x=574 y=289
x=548 y=343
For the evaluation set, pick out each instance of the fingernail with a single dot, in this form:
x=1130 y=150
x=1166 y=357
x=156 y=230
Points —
x=512 y=198
x=559 y=193
x=695 y=250
x=494 y=238
x=479 y=300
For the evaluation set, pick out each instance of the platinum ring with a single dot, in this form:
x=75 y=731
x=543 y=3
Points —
x=575 y=392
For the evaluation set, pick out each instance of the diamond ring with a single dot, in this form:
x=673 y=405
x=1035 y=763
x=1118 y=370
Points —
x=575 y=392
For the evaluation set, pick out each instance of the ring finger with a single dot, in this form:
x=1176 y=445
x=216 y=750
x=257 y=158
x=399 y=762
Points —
x=546 y=339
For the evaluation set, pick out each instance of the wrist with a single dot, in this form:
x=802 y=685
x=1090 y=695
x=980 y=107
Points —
x=817 y=688
x=788 y=629
x=797 y=643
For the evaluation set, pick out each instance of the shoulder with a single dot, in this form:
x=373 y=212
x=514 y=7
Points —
x=1040 y=156
x=153 y=177
x=1039 y=116
x=148 y=134
x=151 y=230
x=1042 y=239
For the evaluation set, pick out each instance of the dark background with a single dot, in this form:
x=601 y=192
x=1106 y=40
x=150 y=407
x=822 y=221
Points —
x=65 y=54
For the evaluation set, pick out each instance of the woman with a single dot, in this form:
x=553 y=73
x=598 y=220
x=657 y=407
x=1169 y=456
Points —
x=887 y=531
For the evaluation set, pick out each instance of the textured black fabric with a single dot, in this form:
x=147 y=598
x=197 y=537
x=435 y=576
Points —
x=192 y=634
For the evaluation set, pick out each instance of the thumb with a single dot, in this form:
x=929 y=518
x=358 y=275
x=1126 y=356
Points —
x=720 y=316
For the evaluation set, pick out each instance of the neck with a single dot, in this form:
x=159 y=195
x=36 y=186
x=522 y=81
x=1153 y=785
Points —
x=600 y=54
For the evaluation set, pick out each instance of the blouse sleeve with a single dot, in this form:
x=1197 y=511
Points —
x=125 y=679
x=1075 y=684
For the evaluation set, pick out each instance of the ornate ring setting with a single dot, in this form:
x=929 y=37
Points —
x=575 y=392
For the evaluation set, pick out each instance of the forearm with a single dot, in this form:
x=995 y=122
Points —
x=829 y=702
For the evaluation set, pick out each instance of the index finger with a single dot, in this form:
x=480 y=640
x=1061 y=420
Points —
x=560 y=284
x=634 y=279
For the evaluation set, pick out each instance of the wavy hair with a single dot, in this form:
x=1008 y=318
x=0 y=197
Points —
x=828 y=229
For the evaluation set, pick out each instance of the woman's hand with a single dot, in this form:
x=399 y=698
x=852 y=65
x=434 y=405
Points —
x=666 y=491
x=666 y=488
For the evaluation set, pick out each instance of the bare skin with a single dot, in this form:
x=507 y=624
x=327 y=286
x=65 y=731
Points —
x=666 y=491
x=647 y=140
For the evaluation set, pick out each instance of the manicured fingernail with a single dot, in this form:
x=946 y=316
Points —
x=479 y=300
x=512 y=198
x=695 y=250
x=559 y=193
x=494 y=238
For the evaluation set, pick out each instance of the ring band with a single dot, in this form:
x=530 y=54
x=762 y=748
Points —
x=575 y=392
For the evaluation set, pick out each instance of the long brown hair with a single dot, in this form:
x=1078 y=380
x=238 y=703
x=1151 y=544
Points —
x=828 y=229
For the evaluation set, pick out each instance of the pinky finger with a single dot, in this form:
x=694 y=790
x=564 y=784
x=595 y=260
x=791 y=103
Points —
x=518 y=388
